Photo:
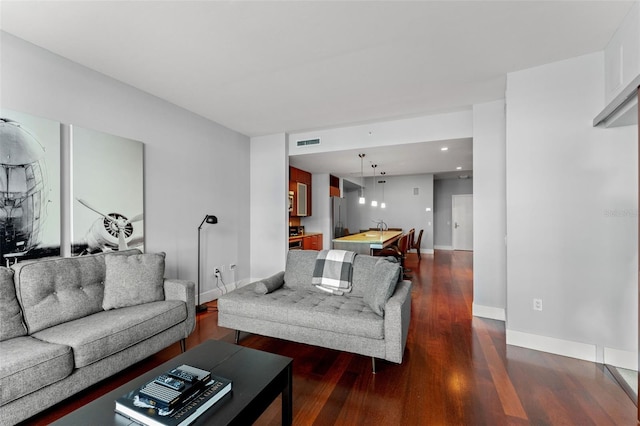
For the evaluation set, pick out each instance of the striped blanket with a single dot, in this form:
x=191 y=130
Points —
x=333 y=271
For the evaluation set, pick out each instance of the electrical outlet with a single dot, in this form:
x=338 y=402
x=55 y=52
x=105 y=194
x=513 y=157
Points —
x=537 y=304
x=217 y=272
x=232 y=266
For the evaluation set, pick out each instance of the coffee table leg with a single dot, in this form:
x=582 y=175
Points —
x=287 y=398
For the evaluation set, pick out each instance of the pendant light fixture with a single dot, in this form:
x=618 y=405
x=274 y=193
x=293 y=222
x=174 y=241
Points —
x=383 y=205
x=374 y=203
x=361 y=200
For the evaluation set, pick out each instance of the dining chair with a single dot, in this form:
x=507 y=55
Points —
x=399 y=251
x=416 y=244
x=411 y=235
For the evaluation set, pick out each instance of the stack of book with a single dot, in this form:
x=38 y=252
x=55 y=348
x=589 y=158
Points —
x=175 y=398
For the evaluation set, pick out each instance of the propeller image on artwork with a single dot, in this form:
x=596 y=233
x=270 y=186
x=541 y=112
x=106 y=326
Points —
x=112 y=231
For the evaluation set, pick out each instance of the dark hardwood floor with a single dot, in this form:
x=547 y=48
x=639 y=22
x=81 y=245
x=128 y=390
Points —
x=457 y=370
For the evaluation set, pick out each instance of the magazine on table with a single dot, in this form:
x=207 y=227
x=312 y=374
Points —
x=175 y=398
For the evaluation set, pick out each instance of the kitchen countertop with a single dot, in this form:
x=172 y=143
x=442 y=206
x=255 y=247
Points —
x=366 y=242
x=306 y=234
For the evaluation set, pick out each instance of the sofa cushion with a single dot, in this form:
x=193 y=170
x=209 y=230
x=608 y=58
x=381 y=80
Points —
x=301 y=263
x=363 y=274
x=59 y=290
x=102 y=334
x=299 y=268
x=29 y=364
x=270 y=284
x=306 y=308
x=386 y=274
x=10 y=313
x=133 y=280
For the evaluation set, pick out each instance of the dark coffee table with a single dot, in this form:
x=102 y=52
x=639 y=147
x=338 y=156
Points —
x=258 y=378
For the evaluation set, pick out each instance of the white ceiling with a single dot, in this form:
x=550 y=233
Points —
x=290 y=66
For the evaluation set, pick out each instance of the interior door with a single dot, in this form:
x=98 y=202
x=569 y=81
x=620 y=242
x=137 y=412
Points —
x=462 y=221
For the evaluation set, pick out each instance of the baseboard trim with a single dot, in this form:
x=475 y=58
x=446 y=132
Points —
x=215 y=293
x=443 y=248
x=489 y=312
x=583 y=351
x=622 y=359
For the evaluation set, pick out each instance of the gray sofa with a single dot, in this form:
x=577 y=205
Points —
x=371 y=320
x=68 y=323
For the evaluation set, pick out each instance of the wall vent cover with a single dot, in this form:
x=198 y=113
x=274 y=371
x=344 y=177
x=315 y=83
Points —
x=308 y=142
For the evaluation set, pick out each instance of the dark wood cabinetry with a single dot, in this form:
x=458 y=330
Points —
x=334 y=186
x=312 y=242
x=300 y=188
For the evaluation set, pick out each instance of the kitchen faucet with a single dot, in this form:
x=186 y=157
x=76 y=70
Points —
x=382 y=226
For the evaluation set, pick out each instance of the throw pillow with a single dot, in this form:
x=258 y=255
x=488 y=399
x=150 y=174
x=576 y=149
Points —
x=11 y=324
x=386 y=275
x=133 y=280
x=270 y=284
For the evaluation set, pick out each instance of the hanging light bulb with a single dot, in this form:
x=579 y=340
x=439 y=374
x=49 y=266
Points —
x=374 y=203
x=383 y=205
x=361 y=200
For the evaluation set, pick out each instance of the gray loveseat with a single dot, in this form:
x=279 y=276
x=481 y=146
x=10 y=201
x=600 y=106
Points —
x=371 y=320
x=68 y=323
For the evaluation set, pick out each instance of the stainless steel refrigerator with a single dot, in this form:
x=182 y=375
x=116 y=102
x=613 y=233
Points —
x=338 y=217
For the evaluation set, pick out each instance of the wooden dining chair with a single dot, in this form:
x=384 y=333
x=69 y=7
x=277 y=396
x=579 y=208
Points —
x=411 y=234
x=416 y=245
x=399 y=251
x=403 y=247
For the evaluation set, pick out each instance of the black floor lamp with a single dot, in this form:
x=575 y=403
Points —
x=212 y=220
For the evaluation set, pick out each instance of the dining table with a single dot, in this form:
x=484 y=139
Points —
x=367 y=242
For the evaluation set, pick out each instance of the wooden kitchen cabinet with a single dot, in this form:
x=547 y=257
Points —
x=334 y=186
x=312 y=242
x=300 y=185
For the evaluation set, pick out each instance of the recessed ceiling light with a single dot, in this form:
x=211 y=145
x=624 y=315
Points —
x=459 y=168
x=444 y=148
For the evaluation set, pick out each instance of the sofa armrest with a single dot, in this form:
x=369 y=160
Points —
x=185 y=291
x=397 y=313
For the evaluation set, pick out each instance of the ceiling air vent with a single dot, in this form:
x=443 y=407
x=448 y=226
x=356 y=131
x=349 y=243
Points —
x=308 y=142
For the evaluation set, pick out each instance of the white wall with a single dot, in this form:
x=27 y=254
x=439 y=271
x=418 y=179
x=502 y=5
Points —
x=193 y=166
x=396 y=132
x=404 y=209
x=571 y=216
x=269 y=204
x=489 y=210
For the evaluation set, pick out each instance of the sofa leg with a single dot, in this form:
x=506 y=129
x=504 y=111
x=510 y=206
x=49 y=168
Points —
x=373 y=365
x=183 y=345
x=237 y=336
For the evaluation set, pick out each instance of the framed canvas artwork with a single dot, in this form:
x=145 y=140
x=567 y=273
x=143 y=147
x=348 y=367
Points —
x=107 y=192
x=29 y=187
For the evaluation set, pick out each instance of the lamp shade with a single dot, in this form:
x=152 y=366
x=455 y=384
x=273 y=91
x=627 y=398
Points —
x=211 y=219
